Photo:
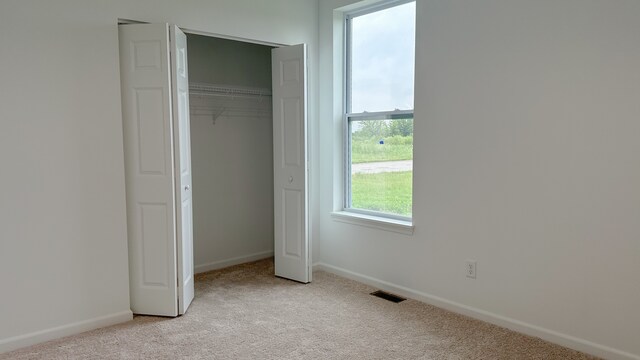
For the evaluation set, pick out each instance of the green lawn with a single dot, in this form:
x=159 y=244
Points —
x=388 y=192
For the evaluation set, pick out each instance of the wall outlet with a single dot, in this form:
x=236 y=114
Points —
x=470 y=268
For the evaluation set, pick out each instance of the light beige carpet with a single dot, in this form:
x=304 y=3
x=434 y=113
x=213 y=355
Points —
x=244 y=312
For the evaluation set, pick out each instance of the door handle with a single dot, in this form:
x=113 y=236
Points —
x=290 y=179
x=187 y=187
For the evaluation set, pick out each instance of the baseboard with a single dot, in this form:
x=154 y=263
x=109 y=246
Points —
x=233 y=261
x=37 y=337
x=513 y=324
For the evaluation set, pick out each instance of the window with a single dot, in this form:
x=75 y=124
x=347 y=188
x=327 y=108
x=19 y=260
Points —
x=380 y=48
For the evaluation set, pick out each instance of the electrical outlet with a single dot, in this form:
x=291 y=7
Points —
x=470 y=269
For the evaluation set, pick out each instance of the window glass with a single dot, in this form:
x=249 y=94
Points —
x=380 y=68
x=382 y=165
x=382 y=59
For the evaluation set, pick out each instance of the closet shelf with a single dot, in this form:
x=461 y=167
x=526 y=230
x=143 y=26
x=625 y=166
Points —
x=215 y=101
x=223 y=90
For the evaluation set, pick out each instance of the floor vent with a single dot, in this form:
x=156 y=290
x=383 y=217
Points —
x=387 y=296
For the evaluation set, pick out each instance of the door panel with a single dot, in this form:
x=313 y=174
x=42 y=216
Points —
x=292 y=150
x=149 y=175
x=292 y=255
x=292 y=227
x=182 y=148
x=155 y=252
x=151 y=132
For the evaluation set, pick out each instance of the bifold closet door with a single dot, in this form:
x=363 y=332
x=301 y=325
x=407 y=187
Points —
x=158 y=239
x=291 y=211
x=182 y=154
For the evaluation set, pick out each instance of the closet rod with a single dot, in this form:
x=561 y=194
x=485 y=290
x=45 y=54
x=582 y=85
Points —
x=212 y=89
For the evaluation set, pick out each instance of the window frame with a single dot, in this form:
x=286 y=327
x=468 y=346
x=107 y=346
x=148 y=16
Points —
x=349 y=116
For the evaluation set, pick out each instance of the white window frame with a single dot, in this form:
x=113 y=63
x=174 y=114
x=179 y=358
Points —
x=379 y=115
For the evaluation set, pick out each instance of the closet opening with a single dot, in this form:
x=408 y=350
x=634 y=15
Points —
x=231 y=126
x=215 y=175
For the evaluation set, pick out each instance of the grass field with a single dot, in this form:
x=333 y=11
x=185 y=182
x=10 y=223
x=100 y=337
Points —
x=370 y=150
x=388 y=192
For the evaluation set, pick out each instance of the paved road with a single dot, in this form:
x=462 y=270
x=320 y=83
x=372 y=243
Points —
x=379 y=167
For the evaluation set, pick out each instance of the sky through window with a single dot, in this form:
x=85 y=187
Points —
x=382 y=62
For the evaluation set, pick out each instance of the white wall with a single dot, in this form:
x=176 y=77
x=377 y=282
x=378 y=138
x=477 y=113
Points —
x=526 y=160
x=63 y=250
x=232 y=159
x=215 y=60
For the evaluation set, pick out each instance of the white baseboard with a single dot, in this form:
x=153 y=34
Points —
x=233 y=261
x=33 y=338
x=509 y=323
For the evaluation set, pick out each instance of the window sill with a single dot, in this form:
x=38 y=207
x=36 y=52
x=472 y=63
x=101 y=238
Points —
x=376 y=222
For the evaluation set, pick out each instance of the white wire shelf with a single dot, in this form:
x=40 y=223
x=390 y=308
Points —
x=215 y=101
x=202 y=89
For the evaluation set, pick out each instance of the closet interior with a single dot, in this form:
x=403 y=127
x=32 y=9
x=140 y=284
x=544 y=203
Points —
x=231 y=151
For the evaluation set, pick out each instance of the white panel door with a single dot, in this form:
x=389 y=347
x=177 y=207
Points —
x=182 y=148
x=149 y=170
x=289 y=72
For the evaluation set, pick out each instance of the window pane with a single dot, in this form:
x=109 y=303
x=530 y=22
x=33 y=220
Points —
x=382 y=165
x=382 y=60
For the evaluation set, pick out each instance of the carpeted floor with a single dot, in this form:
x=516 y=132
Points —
x=244 y=312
